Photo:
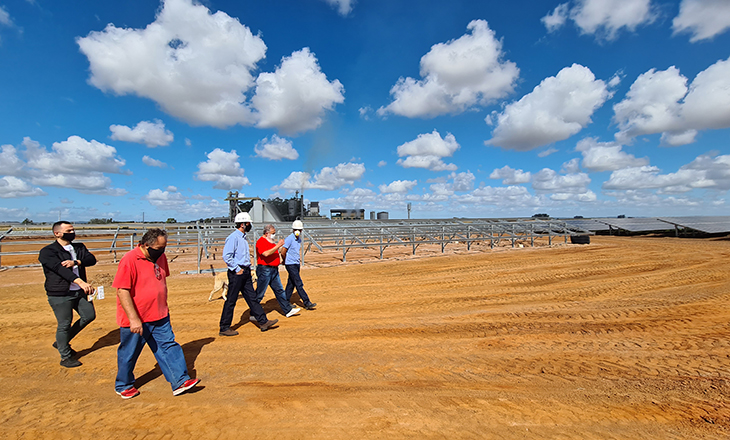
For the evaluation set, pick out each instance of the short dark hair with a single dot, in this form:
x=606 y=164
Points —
x=58 y=225
x=150 y=237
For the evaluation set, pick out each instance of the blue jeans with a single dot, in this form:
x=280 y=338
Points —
x=158 y=335
x=295 y=281
x=269 y=276
x=63 y=307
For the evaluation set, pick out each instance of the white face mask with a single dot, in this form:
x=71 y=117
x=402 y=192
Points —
x=273 y=236
x=296 y=234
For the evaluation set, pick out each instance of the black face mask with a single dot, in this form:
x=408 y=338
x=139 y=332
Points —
x=248 y=227
x=68 y=236
x=155 y=254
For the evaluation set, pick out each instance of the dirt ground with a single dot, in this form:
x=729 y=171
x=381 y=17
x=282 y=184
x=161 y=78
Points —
x=625 y=338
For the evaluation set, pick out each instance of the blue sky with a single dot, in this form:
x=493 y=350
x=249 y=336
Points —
x=463 y=108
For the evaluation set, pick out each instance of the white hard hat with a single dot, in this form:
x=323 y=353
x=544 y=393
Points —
x=242 y=217
x=297 y=224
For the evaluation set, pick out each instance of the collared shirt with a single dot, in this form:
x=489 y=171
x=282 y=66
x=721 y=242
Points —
x=235 y=251
x=262 y=245
x=147 y=285
x=292 y=245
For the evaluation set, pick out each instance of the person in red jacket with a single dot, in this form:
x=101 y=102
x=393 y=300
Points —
x=267 y=270
x=64 y=265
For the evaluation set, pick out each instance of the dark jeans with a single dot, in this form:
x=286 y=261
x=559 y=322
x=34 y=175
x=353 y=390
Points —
x=159 y=337
x=63 y=307
x=269 y=276
x=295 y=281
x=243 y=284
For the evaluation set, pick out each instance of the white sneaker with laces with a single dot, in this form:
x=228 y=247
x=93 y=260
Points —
x=293 y=312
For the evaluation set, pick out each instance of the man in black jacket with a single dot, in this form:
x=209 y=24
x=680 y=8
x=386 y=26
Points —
x=64 y=265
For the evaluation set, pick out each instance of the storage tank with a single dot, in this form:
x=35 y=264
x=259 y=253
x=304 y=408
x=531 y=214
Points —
x=372 y=215
x=383 y=215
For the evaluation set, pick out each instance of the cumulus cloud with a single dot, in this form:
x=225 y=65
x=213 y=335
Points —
x=152 y=134
x=510 y=176
x=661 y=102
x=328 y=179
x=199 y=66
x=74 y=163
x=153 y=162
x=172 y=200
x=12 y=187
x=398 y=186
x=456 y=76
x=606 y=156
x=559 y=107
x=344 y=7
x=276 y=149
x=705 y=172
x=557 y=18
x=10 y=163
x=563 y=186
x=294 y=98
x=703 y=19
x=605 y=18
x=427 y=151
x=223 y=168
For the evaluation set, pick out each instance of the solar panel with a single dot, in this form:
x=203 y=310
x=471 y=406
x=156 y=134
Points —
x=587 y=224
x=638 y=224
x=710 y=225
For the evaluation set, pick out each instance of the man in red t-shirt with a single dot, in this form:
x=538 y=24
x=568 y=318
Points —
x=144 y=318
x=267 y=270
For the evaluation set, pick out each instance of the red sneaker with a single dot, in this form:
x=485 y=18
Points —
x=128 y=394
x=185 y=386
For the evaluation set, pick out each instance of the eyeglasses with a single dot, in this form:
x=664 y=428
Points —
x=158 y=272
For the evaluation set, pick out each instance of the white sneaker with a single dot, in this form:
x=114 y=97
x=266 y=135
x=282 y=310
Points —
x=293 y=312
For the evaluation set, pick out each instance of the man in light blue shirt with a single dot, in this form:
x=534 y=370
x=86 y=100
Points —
x=292 y=261
x=238 y=259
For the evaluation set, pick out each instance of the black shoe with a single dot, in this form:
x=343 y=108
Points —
x=228 y=332
x=310 y=306
x=268 y=324
x=73 y=352
x=70 y=363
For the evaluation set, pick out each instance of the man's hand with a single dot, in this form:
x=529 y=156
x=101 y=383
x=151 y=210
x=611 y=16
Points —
x=86 y=287
x=240 y=272
x=281 y=243
x=68 y=263
x=135 y=326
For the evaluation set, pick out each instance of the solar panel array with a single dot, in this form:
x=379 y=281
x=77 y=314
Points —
x=709 y=225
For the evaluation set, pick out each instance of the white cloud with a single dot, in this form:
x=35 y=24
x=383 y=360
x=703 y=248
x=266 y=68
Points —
x=547 y=152
x=5 y=19
x=194 y=64
x=500 y=196
x=463 y=181
x=559 y=107
x=294 y=98
x=12 y=187
x=13 y=213
x=382 y=163
x=606 y=156
x=510 y=176
x=456 y=76
x=328 y=179
x=344 y=7
x=427 y=150
x=10 y=163
x=75 y=156
x=549 y=181
x=153 y=162
x=398 y=186
x=661 y=102
x=365 y=112
x=152 y=134
x=188 y=142
x=223 y=168
x=276 y=149
x=556 y=19
x=704 y=19
x=605 y=18
x=171 y=200
x=570 y=167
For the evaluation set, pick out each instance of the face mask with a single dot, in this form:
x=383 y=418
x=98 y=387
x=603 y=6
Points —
x=155 y=254
x=248 y=227
x=296 y=234
x=69 y=236
x=273 y=236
